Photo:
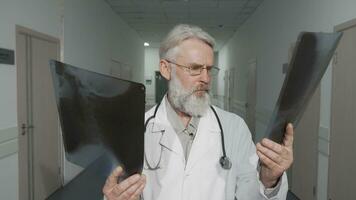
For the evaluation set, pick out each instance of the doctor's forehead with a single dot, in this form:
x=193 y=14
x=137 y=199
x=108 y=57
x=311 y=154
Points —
x=195 y=51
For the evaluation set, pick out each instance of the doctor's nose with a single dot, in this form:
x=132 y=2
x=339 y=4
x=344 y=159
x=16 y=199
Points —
x=205 y=75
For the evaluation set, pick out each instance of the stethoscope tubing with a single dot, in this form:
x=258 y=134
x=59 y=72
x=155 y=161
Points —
x=224 y=160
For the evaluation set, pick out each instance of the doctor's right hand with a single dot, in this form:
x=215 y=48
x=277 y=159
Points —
x=128 y=189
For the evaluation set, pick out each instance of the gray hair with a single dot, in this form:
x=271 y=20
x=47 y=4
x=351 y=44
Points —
x=179 y=34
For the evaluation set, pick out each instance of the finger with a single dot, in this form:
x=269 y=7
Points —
x=266 y=161
x=272 y=145
x=139 y=190
x=127 y=194
x=270 y=154
x=289 y=136
x=111 y=181
x=132 y=189
x=127 y=183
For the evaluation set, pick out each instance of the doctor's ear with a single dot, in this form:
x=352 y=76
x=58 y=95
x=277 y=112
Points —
x=165 y=69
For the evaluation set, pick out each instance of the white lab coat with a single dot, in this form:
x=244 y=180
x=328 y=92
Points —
x=202 y=177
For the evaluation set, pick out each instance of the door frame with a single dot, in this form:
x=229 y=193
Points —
x=25 y=130
x=230 y=86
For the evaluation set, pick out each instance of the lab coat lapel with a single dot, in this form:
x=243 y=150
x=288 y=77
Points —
x=206 y=139
x=169 y=138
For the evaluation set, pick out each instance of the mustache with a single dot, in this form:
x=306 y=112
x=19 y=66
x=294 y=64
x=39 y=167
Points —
x=201 y=88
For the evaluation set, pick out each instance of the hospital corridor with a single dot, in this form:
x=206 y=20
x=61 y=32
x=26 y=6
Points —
x=119 y=58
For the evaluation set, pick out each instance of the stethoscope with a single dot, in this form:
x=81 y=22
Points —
x=224 y=160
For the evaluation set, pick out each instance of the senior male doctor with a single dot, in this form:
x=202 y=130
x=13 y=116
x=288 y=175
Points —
x=195 y=151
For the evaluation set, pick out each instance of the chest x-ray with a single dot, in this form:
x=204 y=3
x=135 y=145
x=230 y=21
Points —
x=309 y=62
x=102 y=121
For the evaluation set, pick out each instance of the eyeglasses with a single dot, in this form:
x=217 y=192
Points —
x=196 y=69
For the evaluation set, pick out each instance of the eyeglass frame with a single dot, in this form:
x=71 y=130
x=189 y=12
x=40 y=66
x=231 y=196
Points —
x=201 y=67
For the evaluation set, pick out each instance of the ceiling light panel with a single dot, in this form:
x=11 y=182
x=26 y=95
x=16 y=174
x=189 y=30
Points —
x=152 y=19
x=120 y=2
x=203 y=4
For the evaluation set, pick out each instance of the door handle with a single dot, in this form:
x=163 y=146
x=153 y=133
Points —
x=24 y=128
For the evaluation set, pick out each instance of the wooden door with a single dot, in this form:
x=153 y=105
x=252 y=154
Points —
x=39 y=138
x=303 y=175
x=342 y=165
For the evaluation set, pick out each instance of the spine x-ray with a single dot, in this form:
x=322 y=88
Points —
x=310 y=59
x=102 y=122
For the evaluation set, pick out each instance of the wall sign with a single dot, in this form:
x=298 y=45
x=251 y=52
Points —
x=7 y=56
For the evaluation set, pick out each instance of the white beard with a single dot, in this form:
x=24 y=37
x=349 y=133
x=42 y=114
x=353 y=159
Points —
x=185 y=100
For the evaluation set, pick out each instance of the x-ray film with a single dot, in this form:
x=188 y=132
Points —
x=310 y=59
x=102 y=121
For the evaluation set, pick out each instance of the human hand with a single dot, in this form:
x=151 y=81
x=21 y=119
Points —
x=275 y=158
x=129 y=189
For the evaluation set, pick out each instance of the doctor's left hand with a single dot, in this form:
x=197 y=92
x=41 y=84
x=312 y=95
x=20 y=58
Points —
x=275 y=158
x=128 y=189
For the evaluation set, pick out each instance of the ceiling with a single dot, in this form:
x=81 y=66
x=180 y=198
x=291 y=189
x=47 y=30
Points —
x=152 y=19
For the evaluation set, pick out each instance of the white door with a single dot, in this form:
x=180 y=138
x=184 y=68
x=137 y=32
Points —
x=342 y=162
x=39 y=142
x=251 y=97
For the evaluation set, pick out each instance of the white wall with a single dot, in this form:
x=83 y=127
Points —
x=151 y=65
x=267 y=35
x=8 y=178
x=41 y=15
x=93 y=35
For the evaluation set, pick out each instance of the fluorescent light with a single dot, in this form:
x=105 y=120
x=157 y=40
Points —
x=146 y=44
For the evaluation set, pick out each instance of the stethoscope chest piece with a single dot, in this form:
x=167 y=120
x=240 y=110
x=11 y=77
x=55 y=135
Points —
x=225 y=162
